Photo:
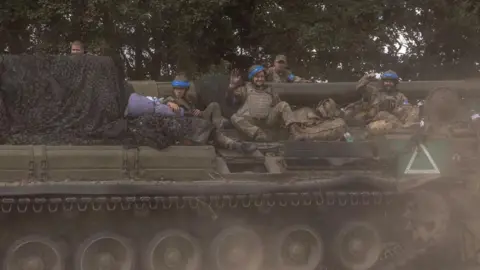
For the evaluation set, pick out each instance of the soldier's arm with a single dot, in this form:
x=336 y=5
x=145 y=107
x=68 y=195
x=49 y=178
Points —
x=363 y=82
x=166 y=100
x=374 y=104
x=269 y=74
x=366 y=88
x=402 y=99
x=275 y=97
x=295 y=79
x=192 y=96
x=236 y=94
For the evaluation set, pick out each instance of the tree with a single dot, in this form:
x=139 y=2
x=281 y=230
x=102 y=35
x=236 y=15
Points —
x=336 y=40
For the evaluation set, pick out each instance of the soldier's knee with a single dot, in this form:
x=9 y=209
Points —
x=383 y=115
x=339 y=123
x=214 y=105
x=283 y=105
x=380 y=127
x=235 y=118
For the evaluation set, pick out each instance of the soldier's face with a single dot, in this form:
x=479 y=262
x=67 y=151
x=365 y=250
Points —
x=76 y=49
x=259 y=79
x=280 y=65
x=179 y=92
x=389 y=85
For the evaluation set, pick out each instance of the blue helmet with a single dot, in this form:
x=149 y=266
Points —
x=390 y=75
x=254 y=70
x=181 y=81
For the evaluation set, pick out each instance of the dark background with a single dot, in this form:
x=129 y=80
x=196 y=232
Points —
x=337 y=40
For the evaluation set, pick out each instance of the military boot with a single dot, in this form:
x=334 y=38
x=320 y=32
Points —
x=292 y=127
x=225 y=124
x=244 y=147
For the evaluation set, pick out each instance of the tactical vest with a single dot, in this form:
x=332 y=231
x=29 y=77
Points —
x=387 y=102
x=258 y=103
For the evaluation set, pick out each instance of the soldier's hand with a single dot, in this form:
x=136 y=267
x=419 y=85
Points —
x=372 y=75
x=235 y=78
x=173 y=106
x=197 y=112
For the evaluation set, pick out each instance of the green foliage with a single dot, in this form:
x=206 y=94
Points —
x=336 y=40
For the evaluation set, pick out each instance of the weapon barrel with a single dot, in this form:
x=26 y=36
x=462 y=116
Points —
x=341 y=92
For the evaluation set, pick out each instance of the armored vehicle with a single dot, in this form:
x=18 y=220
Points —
x=296 y=205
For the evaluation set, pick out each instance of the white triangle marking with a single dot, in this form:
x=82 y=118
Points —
x=435 y=169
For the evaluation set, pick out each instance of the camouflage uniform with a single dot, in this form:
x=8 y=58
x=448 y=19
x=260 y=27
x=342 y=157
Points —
x=285 y=76
x=382 y=109
x=391 y=111
x=358 y=112
x=261 y=105
x=212 y=113
x=323 y=123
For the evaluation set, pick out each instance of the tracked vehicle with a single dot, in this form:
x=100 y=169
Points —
x=378 y=204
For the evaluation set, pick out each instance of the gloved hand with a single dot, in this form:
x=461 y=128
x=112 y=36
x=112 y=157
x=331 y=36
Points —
x=372 y=75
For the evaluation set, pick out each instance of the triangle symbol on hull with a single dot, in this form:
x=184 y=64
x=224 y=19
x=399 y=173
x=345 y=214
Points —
x=409 y=170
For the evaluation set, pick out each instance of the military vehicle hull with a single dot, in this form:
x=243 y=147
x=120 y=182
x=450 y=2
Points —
x=290 y=205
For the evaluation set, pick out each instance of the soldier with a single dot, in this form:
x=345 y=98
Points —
x=382 y=105
x=322 y=123
x=77 y=47
x=184 y=97
x=280 y=74
x=179 y=105
x=357 y=112
x=260 y=104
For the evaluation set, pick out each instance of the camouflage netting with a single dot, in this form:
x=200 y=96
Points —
x=74 y=100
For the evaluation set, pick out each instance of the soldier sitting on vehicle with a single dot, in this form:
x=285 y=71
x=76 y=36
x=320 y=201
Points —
x=180 y=105
x=280 y=74
x=323 y=122
x=260 y=104
x=383 y=107
x=184 y=97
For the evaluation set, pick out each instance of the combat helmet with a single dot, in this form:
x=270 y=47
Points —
x=253 y=70
x=390 y=75
x=181 y=81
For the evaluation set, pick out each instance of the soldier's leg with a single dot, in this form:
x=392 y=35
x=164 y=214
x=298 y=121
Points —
x=358 y=119
x=213 y=113
x=328 y=109
x=383 y=123
x=281 y=111
x=408 y=114
x=245 y=124
x=351 y=109
x=329 y=130
x=224 y=141
x=354 y=113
